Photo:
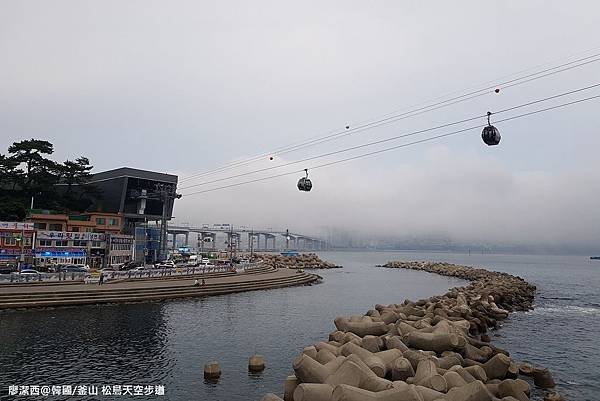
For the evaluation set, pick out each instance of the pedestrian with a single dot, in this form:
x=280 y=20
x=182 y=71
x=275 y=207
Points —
x=203 y=282
x=196 y=283
x=101 y=278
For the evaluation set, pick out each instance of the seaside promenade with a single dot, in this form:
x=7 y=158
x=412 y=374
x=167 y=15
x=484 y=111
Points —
x=149 y=289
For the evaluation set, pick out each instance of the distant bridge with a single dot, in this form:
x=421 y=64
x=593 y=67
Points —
x=245 y=238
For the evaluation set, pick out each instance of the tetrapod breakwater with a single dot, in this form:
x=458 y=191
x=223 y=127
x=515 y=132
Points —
x=432 y=349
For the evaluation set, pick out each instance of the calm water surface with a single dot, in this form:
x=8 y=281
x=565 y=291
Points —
x=168 y=343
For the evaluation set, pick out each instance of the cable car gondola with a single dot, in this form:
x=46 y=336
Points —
x=490 y=134
x=304 y=183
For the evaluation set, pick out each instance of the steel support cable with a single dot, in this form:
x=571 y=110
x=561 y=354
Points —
x=411 y=113
x=446 y=125
x=428 y=139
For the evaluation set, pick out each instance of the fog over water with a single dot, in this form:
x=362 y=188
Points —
x=186 y=86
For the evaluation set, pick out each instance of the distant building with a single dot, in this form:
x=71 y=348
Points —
x=133 y=194
x=16 y=239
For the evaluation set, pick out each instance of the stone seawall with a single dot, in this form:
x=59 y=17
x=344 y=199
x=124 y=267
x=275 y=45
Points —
x=302 y=261
x=433 y=349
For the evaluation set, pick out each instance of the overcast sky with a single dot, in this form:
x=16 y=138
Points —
x=187 y=86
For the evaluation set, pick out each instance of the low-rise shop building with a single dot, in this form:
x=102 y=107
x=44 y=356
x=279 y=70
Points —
x=120 y=249
x=16 y=239
x=67 y=247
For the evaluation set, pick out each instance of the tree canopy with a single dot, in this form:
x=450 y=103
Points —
x=26 y=172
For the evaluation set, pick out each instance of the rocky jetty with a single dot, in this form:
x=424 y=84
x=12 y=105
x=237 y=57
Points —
x=302 y=261
x=430 y=350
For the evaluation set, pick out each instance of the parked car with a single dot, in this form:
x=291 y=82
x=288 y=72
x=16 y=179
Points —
x=129 y=265
x=29 y=272
x=74 y=269
x=169 y=264
x=8 y=269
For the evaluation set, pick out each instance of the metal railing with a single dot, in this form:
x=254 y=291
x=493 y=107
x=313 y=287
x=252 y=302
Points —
x=93 y=277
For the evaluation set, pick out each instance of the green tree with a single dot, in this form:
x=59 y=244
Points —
x=10 y=175
x=27 y=172
x=31 y=153
x=77 y=174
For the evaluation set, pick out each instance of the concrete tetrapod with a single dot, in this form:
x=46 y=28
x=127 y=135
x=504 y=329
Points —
x=453 y=379
x=542 y=378
x=374 y=363
x=497 y=367
x=437 y=342
x=361 y=328
x=475 y=391
x=344 y=392
x=313 y=392
x=212 y=370
x=355 y=373
x=324 y=356
x=310 y=371
x=428 y=376
x=291 y=382
x=512 y=388
x=369 y=380
x=256 y=363
x=402 y=369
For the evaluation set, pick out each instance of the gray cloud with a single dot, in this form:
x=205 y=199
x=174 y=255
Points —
x=186 y=86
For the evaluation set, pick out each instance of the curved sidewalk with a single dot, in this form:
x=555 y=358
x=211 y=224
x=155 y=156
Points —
x=147 y=290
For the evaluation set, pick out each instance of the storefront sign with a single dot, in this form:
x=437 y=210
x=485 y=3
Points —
x=15 y=251
x=85 y=236
x=121 y=240
x=12 y=225
x=9 y=234
x=65 y=252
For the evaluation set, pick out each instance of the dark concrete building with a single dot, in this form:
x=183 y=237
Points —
x=138 y=195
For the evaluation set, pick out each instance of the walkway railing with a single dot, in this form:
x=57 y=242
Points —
x=93 y=277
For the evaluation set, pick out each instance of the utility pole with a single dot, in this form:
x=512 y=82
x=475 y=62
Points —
x=287 y=239
x=167 y=194
x=22 y=255
x=251 y=245
x=230 y=243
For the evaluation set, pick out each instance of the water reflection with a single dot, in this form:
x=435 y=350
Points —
x=112 y=344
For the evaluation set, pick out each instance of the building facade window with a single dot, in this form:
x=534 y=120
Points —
x=80 y=243
x=100 y=221
x=40 y=226
x=55 y=227
x=62 y=243
x=96 y=244
x=45 y=242
x=113 y=222
x=75 y=229
x=10 y=241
